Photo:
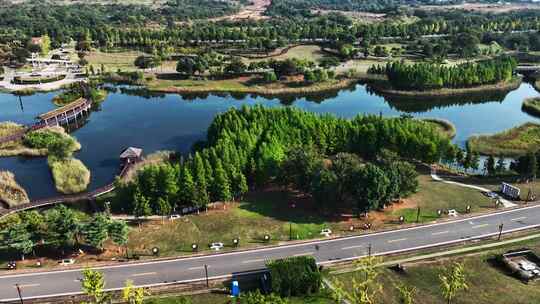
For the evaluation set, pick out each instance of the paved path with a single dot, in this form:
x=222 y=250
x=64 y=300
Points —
x=506 y=203
x=155 y=273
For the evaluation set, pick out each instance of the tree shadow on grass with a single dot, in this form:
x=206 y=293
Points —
x=286 y=206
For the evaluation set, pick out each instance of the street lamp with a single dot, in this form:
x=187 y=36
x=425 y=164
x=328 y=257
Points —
x=293 y=205
x=500 y=230
x=266 y=238
x=194 y=247
x=236 y=242
x=19 y=292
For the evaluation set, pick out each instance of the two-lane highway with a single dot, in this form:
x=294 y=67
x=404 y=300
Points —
x=45 y=284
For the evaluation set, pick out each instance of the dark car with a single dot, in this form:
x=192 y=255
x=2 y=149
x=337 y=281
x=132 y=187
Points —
x=11 y=265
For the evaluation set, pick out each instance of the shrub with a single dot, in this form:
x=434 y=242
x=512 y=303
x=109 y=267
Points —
x=70 y=175
x=295 y=276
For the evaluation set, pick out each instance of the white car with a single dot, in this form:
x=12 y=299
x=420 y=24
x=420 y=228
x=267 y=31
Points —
x=326 y=232
x=452 y=212
x=66 y=262
x=216 y=246
x=173 y=217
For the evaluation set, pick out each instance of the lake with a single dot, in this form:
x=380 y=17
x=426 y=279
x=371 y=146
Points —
x=173 y=122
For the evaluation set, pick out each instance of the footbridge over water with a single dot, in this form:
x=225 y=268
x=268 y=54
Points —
x=65 y=114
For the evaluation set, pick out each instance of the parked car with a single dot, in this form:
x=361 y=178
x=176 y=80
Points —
x=326 y=232
x=216 y=246
x=173 y=217
x=491 y=194
x=11 y=265
x=66 y=262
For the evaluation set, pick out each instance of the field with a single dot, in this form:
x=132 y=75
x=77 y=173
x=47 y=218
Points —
x=487 y=282
x=514 y=142
x=113 y=61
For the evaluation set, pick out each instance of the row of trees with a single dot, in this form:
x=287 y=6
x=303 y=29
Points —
x=60 y=228
x=425 y=76
x=251 y=146
x=344 y=179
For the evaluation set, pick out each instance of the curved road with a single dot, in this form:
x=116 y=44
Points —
x=64 y=282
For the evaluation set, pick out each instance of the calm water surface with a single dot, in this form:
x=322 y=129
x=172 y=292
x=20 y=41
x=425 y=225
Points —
x=173 y=122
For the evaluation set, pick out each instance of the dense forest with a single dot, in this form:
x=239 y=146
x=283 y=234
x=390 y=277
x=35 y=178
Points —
x=252 y=147
x=426 y=76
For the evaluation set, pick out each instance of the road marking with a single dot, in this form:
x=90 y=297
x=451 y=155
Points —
x=303 y=254
x=518 y=218
x=253 y=261
x=353 y=247
x=27 y=285
x=479 y=226
x=143 y=274
x=442 y=232
x=397 y=240
x=197 y=268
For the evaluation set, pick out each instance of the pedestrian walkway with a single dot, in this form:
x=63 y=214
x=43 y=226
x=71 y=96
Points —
x=506 y=203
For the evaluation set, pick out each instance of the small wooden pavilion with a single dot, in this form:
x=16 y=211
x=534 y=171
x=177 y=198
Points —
x=131 y=155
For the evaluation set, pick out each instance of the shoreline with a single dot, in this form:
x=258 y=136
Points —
x=382 y=87
x=447 y=127
x=531 y=106
x=512 y=142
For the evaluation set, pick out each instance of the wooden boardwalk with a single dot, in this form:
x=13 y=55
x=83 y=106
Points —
x=70 y=198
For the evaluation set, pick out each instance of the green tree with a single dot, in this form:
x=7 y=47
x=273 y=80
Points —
x=132 y=294
x=187 y=187
x=19 y=238
x=96 y=231
x=365 y=286
x=93 y=284
x=270 y=77
x=118 y=232
x=255 y=297
x=164 y=208
x=406 y=294
x=489 y=165
x=141 y=205
x=63 y=226
x=453 y=280
x=202 y=197
x=222 y=188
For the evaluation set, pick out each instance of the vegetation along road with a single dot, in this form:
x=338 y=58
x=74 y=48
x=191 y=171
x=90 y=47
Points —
x=46 y=284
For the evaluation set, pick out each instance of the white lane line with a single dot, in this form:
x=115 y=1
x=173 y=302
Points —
x=518 y=218
x=27 y=285
x=143 y=274
x=197 y=268
x=479 y=226
x=353 y=247
x=397 y=240
x=253 y=261
x=303 y=254
x=441 y=232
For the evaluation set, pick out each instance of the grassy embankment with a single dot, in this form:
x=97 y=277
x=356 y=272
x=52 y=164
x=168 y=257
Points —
x=70 y=175
x=446 y=127
x=11 y=193
x=531 y=106
x=513 y=142
x=384 y=88
x=268 y=212
x=487 y=282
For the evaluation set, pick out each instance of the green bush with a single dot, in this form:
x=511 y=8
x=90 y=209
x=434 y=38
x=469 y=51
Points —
x=59 y=145
x=295 y=276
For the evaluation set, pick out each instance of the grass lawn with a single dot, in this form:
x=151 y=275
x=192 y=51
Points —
x=433 y=195
x=513 y=142
x=309 y=52
x=487 y=283
x=113 y=61
x=265 y=212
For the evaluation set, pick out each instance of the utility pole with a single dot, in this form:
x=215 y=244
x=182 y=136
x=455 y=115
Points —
x=500 y=230
x=206 y=272
x=418 y=215
x=369 y=250
x=19 y=291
